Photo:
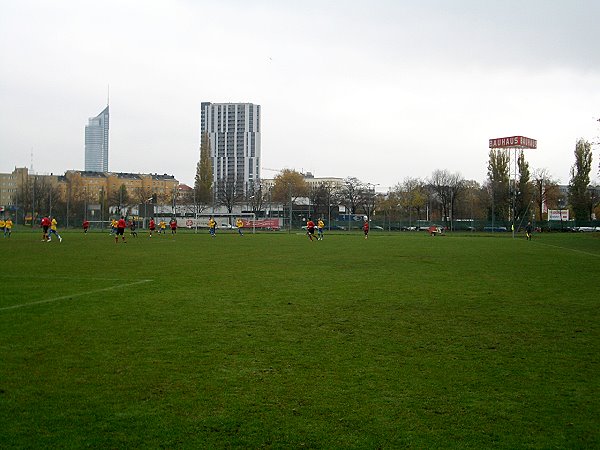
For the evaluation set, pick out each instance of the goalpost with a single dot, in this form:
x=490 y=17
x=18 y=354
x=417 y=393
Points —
x=225 y=221
x=99 y=224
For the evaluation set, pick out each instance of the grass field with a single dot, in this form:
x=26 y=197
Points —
x=401 y=340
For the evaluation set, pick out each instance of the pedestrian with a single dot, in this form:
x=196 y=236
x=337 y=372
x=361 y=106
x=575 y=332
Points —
x=239 y=223
x=365 y=228
x=53 y=231
x=121 y=225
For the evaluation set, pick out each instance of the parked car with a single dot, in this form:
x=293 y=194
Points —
x=586 y=229
x=226 y=226
x=495 y=229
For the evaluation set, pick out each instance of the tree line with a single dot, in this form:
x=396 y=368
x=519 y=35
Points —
x=520 y=194
x=517 y=195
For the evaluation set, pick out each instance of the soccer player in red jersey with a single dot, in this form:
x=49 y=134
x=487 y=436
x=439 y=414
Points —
x=173 y=225
x=86 y=226
x=152 y=226
x=45 y=224
x=121 y=225
x=310 y=229
x=365 y=228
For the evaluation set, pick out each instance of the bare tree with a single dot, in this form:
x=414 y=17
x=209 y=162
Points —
x=228 y=193
x=351 y=192
x=412 y=196
x=367 y=199
x=447 y=187
x=545 y=191
x=119 y=198
x=319 y=197
x=256 y=196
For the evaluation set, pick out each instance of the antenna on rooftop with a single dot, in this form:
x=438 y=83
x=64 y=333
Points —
x=31 y=162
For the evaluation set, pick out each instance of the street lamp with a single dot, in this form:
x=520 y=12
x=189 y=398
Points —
x=560 y=208
x=371 y=198
x=101 y=193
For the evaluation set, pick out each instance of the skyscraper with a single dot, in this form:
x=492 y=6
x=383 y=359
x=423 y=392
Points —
x=96 y=143
x=234 y=134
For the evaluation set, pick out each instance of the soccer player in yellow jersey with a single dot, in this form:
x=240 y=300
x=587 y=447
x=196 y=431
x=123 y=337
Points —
x=113 y=226
x=53 y=225
x=212 y=227
x=163 y=227
x=8 y=227
x=239 y=223
x=2 y=225
x=320 y=228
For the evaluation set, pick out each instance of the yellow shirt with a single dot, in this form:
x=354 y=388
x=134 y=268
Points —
x=162 y=224
x=239 y=223
x=211 y=223
x=2 y=223
x=8 y=224
x=321 y=224
x=53 y=226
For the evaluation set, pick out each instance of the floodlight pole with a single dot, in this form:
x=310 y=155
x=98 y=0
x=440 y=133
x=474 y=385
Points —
x=514 y=196
x=290 y=197
x=511 y=143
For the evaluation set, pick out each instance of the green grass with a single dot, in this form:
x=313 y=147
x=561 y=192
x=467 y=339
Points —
x=401 y=340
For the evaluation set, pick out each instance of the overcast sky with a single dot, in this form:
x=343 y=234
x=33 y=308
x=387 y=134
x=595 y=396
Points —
x=379 y=90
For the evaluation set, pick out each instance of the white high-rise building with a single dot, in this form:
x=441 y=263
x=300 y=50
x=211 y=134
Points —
x=234 y=134
x=96 y=143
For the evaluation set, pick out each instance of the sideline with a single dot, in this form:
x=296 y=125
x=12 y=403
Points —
x=567 y=248
x=64 y=297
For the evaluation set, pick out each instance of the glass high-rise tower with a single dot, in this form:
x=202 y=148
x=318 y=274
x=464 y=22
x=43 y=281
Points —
x=234 y=133
x=96 y=143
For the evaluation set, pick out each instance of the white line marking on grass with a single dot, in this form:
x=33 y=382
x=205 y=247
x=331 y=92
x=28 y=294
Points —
x=567 y=248
x=64 y=297
x=58 y=277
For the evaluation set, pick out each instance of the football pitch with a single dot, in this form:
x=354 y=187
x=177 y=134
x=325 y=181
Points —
x=272 y=341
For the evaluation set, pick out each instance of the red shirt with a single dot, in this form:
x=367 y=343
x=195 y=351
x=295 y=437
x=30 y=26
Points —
x=173 y=225
x=45 y=222
x=152 y=226
x=366 y=226
x=86 y=224
x=310 y=224
x=121 y=223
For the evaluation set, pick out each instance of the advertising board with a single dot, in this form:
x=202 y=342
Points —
x=558 y=214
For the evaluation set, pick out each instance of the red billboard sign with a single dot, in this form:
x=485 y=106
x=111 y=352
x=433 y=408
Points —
x=263 y=223
x=513 y=142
